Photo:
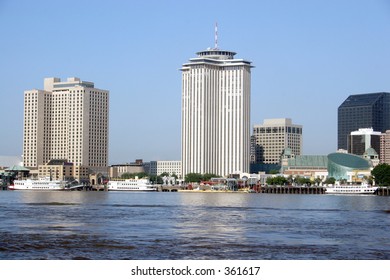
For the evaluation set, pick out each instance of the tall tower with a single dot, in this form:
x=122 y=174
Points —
x=215 y=134
x=67 y=120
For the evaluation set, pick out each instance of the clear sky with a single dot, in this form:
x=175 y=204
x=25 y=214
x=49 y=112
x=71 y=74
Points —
x=308 y=56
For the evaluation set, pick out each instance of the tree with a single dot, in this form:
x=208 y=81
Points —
x=193 y=177
x=330 y=181
x=208 y=176
x=278 y=180
x=133 y=175
x=381 y=174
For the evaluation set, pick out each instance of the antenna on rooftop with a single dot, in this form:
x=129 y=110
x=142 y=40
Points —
x=216 y=36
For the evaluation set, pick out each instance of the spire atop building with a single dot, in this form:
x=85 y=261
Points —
x=216 y=36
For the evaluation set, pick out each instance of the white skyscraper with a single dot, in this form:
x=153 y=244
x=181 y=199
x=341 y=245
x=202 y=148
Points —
x=67 y=120
x=216 y=113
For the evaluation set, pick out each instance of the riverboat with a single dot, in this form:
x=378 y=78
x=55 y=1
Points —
x=43 y=184
x=131 y=185
x=350 y=189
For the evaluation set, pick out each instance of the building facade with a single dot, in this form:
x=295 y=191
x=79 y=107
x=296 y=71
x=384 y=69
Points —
x=349 y=167
x=363 y=110
x=385 y=147
x=273 y=137
x=67 y=120
x=215 y=133
x=117 y=170
x=172 y=167
x=361 y=140
x=63 y=170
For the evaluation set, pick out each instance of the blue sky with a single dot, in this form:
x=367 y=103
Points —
x=309 y=56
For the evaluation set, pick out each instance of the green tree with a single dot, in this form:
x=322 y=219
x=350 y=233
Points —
x=278 y=180
x=330 y=180
x=208 y=176
x=193 y=178
x=133 y=175
x=381 y=174
x=302 y=181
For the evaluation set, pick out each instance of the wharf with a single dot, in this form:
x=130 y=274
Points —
x=383 y=191
x=292 y=190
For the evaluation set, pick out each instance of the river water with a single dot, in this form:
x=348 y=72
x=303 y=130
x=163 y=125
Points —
x=198 y=226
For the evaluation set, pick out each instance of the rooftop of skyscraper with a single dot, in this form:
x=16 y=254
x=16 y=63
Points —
x=362 y=99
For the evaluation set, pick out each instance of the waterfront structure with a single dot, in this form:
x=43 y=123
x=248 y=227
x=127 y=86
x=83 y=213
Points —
x=359 y=141
x=349 y=167
x=385 y=147
x=215 y=133
x=273 y=137
x=363 y=110
x=172 y=167
x=67 y=120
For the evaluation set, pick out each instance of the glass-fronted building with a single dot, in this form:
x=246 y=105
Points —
x=371 y=110
x=342 y=166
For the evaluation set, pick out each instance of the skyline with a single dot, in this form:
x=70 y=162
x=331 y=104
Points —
x=308 y=57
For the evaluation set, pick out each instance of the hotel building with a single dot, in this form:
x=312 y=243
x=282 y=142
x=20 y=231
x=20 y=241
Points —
x=67 y=120
x=215 y=134
x=272 y=137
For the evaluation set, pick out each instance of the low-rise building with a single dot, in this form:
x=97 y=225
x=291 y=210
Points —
x=59 y=169
x=117 y=170
x=172 y=167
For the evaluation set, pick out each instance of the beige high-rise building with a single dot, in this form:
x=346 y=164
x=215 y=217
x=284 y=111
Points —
x=215 y=132
x=67 y=120
x=272 y=137
x=385 y=147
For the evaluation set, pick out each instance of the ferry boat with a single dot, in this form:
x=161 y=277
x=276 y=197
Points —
x=350 y=189
x=43 y=184
x=131 y=185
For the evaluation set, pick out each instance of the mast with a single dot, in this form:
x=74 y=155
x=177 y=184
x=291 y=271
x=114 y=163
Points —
x=216 y=36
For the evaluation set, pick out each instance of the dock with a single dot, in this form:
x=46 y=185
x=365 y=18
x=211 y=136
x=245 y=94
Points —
x=292 y=190
x=383 y=191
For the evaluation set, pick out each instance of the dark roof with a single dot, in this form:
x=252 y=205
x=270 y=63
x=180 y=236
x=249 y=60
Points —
x=366 y=99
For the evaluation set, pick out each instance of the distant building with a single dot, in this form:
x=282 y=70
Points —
x=67 y=120
x=272 y=137
x=363 y=110
x=362 y=139
x=372 y=156
x=385 y=147
x=215 y=133
x=166 y=166
x=63 y=170
x=117 y=170
x=311 y=166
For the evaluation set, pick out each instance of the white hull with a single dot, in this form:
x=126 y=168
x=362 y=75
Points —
x=351 y=189
x=140 y=185
x=38 y=185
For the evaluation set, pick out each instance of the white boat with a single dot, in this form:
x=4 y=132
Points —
x=43 y=184
x=351 y=189
x=131 y=185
